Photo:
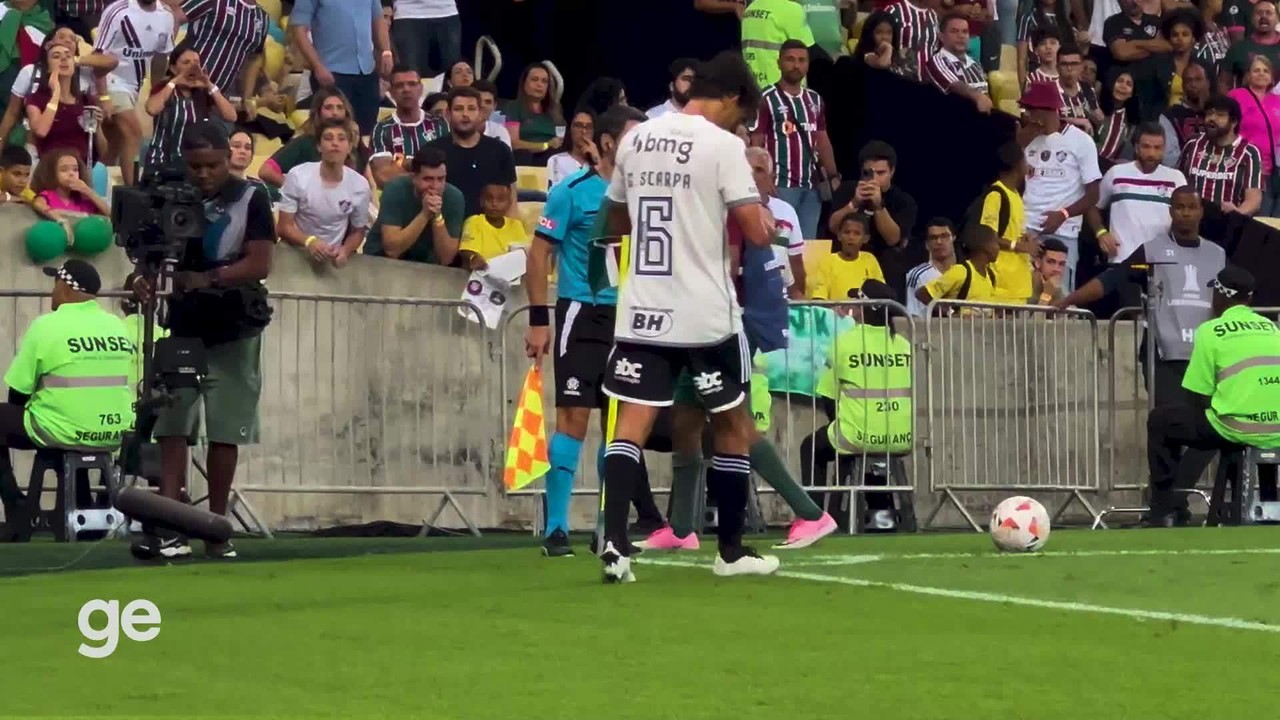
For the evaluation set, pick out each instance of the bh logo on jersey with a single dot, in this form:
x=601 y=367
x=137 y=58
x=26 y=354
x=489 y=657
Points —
x=650 y=323
x=627 y=371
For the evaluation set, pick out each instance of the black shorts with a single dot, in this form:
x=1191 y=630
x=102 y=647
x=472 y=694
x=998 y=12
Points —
x=646 y=374
x=584 y=337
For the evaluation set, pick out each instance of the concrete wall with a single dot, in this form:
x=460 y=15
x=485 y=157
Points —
x=362 y=393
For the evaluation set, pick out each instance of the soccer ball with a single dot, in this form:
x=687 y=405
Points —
x=1019 y=524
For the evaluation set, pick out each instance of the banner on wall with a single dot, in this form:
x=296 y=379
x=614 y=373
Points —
x=796 y=369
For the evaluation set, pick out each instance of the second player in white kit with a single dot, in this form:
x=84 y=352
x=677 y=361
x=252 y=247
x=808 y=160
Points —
x=679 y=179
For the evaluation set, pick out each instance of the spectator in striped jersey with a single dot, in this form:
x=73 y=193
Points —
x=188 y=98
x=915 y=25
x=984 y=36
x=1212 y=47
x=1046 y=43
x=952 y=70
x=1220 y=165
x=1079 y=102
x=408 y=129
x=940 y=241
x=1185 y=120
x=79 y=15
x=792 y=125
x=1120 y=107
x=230 y=36
x=1043 y=15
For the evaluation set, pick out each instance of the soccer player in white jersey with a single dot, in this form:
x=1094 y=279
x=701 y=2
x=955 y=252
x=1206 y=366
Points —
x=677 y=180
x=140 y=34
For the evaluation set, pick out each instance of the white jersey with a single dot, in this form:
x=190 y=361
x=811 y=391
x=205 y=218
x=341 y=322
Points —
x=134 y=34
x=680 y=175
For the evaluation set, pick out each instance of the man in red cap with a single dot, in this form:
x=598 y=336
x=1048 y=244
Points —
x=1062 y=172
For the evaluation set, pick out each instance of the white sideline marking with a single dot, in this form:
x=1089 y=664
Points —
x=828 y=560
x=1137 y=614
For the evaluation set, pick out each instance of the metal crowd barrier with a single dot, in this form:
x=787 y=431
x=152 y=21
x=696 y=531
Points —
x=375 y=398
x=1012 y=402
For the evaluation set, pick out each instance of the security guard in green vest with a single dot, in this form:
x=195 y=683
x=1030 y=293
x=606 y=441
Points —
x=69 y=382
x=1232 y=383
x=873 y=369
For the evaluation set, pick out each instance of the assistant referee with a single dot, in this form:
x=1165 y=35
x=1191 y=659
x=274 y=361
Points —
x=1232 y=384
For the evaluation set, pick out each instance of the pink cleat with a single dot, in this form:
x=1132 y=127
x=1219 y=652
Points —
x=804 y=533
x=665 y=538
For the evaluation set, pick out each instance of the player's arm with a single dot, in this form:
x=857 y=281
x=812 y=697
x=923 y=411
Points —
x=1107 y=283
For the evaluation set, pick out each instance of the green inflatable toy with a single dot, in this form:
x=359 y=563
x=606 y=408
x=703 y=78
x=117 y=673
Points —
x=92 y=235
x=46 y=240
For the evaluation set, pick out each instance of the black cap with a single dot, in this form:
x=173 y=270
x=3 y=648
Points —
x=1233 y=282
x=873 y=290
x=78 y=274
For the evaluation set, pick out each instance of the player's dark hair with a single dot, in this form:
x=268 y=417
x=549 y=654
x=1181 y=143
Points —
x=878 y=150
x=1053 y=244
x=1228 y=105
x=205 y=135
x=428 y=157
x=14 y=155
x=614 y=122
x=793 y=44
x=463 y=91
x=724 y=76
x=1009 y=155
x=602 y=94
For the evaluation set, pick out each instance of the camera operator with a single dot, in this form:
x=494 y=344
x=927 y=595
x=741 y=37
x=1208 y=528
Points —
x=220 y=300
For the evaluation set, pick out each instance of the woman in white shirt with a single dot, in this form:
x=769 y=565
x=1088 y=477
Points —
x=561 y=165
x=324 y=206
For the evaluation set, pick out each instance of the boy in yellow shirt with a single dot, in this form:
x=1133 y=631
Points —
x=1003 y=212
x=975 y=278
x=15 y=175
x=491 y=233
x=848 y=269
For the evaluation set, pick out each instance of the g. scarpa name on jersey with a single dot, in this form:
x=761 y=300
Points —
x=659 y=179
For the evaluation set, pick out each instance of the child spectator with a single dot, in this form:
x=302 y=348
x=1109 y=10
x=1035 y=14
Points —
x=1046 y=44
x=61 y=186
x=975 y=278
x=848 y=269
x=324 y=206
x=491 y=233
x=15 y=175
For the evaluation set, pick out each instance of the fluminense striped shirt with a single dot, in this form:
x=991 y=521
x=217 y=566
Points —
x=170 y=125
x=1213 y=48
x=946 y=68
x=917 y=30
x=81 y=8
x=1113 y=136
x=790 y=124
x=1079 y=105
x=225 y=33
x=1222 y=174
x=1042 y=76
x=396 y=140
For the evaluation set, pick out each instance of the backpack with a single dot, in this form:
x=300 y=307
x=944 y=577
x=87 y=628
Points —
x=764 y=299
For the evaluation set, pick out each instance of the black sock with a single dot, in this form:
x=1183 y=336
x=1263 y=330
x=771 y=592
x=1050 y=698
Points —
x=623 y=468
x=728 y=477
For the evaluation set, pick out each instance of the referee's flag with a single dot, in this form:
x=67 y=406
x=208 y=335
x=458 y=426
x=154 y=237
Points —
x=527 y=450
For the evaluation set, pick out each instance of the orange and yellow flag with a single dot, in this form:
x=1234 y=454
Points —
x=527 y=449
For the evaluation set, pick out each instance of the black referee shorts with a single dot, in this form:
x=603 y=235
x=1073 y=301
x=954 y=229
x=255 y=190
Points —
x=583 y=339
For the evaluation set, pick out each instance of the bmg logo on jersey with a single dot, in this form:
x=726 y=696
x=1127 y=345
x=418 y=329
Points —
x=651 y=323
x=668 y=146
x=627 y=371
x=139 y=621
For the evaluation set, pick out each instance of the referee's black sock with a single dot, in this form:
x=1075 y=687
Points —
x=623 y=468
x=728 y=478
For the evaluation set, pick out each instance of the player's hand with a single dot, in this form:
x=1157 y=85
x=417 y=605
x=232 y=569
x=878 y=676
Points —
x=432 y=204
x=537 y=342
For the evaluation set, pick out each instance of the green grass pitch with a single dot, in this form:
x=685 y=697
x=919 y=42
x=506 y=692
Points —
x=1113 y=624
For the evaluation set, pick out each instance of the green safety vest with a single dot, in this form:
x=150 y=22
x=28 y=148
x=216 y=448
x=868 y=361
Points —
x=873 y=403
x=74 y=363
x=823 y=17
x=1235 y=360
x=766 y=24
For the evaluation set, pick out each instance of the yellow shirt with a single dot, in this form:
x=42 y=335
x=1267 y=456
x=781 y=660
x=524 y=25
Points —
x=1013 y=269
x=837 y=276
x=981 y=286
x=482 y=238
